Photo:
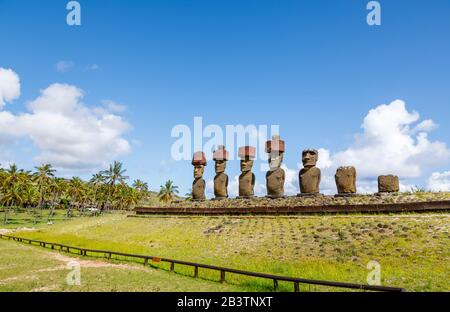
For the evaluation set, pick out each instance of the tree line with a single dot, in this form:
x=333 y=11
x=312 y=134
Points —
x=41 y=190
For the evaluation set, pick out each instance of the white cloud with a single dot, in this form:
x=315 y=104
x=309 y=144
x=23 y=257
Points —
x=426 y=126
x=439 y=181
x=93 y=67
x=64 y=66
x=291 y=185
x=9 y=86
x=389 y=144
x=68 y=134
x=113 y=106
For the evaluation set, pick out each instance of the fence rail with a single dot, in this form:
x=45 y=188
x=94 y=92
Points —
x=146 y=258
x=430 y=206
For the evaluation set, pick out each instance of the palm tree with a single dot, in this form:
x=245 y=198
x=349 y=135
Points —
x=13 y=175
x=167 y=192
x=43 y=175
x=188 y=196
x=131 y=198
x=140 y=185
x=12 y=196
x=114 y=174
x=76 y=191
x=97 y=180
x=56 y=188
x=13 y=182
x=30 y=195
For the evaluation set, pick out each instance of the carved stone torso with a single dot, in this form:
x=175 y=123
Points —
x=346 y=180
x=309 y=180
x=220 y=185
x=198 y=189
x=388 y=184
x=246 y=184
x=275 y=182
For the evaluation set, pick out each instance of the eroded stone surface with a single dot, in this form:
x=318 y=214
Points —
x=246 y=178
x=310 y=180
x=346 y=180
x=246 y=184
x=388 y=184
x=220 y=156
x=198 y=186
x=221 y=185
x=275 y=177
x=310 y=175
x=275 y=183
x=198 y=189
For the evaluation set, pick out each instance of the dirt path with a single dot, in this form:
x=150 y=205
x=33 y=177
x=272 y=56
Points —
x=9 y=231
x=5 y=231
x=93 y=263
x=65 y=261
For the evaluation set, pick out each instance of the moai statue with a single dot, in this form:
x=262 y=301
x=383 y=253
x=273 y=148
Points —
x=247 y=178
x=198 y=186
x=388 y=184
x=309 y=176
x=275 y=176
x=346 y=181
x=220 y=156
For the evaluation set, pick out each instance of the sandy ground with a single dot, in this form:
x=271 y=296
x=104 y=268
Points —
x=9 y=231
x=93 y=263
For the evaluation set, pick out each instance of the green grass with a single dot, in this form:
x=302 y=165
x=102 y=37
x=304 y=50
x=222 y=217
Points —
x=27 y=268
x=413 y=250
x=25 y=219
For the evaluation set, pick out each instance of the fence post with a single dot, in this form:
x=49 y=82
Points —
x=196 y=272
x=275 y=284
x=296 y=287
x=172 y=266
x=145 y=261
x=222 y=276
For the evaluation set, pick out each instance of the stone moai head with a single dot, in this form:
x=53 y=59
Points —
x=220 y=156
x=199 y=163
x=346 y=180
x=247 y=155
x=309 y=175
x=198 y=171
x=275 y=148
x=310 y=158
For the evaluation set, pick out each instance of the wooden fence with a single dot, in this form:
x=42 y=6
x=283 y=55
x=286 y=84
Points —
x=222 y=270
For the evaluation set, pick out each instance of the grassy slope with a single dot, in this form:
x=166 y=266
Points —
x=413 y=250
x=26 y=268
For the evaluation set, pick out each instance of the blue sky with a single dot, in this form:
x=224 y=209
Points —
x=313 y=67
